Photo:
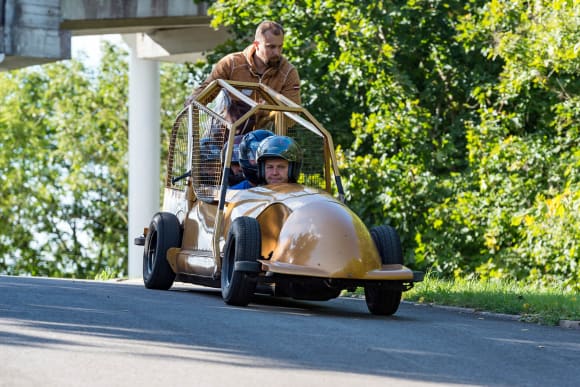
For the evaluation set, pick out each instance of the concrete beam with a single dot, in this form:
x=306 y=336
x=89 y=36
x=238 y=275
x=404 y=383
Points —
x=170 y=31
x=103 y=10
x=131 y=26
x=89 y=17
x=179 y=45
x=31 y=33
x=38 y=31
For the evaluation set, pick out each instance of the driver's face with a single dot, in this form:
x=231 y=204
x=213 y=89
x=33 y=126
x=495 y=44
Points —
x=269 y=48
x=276 y=171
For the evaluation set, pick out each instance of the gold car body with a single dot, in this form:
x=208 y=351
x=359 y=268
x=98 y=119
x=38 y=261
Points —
x=305 y=232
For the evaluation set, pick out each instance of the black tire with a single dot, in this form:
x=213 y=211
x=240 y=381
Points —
x=239 y=265
x=164 y=233
x=381 y=297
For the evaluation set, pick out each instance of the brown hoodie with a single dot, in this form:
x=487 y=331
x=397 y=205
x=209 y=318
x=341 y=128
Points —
x=239 y=66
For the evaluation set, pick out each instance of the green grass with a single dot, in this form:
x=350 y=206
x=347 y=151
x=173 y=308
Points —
x=541 y=305
x=106 y=274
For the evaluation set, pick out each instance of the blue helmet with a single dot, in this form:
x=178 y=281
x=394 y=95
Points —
x=248 y=147
x=235 y=151
x=209 y=150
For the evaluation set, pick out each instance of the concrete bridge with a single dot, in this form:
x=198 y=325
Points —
x=34 y=32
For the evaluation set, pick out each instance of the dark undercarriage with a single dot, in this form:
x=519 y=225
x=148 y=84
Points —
x=301 y=288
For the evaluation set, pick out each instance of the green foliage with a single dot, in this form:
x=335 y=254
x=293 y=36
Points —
x=63 y=163
x=549 y=239
x=63 y=169
x=463 y=121
x=106 y=275
x=522 y=152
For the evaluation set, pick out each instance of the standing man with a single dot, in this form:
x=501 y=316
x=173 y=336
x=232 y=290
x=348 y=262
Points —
x=260 y=62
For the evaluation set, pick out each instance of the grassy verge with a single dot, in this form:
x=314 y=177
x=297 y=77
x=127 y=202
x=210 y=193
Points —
x=542 y=305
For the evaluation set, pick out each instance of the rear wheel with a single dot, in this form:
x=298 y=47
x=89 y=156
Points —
x=240 y=263
x=381 y=298
x=164 y=233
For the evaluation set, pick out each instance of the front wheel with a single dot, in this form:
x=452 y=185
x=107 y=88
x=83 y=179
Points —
x=381 y=298
x=164 y=233
x=240 y=265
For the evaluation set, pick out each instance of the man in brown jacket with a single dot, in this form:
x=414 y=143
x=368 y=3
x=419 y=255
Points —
x=261 y=62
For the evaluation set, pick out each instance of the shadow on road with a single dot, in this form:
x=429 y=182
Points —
x=336 y=336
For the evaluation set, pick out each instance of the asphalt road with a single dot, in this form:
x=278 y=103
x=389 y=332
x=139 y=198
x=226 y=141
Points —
x=57 y=332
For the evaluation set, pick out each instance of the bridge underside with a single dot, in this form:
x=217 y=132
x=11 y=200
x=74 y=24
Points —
x=36 y=32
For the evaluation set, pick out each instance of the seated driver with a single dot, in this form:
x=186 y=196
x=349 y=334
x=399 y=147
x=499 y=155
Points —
x=279 y=160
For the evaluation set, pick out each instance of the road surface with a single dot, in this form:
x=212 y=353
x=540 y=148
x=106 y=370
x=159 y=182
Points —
x=56 y=332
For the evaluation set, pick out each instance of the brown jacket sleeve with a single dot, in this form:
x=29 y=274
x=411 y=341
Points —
x=291 y=88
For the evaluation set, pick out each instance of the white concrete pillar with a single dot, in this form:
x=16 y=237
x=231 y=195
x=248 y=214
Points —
x=144 y=149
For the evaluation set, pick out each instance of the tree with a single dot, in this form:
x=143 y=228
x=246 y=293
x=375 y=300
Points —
x=523 y=146
x=64 y=141
x=464 y=121
x=63 y=163
x=392 y=75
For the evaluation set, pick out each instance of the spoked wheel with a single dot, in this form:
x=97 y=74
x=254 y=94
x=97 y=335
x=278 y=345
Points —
x=381 y=298
x=164 y=233
x=240 y=265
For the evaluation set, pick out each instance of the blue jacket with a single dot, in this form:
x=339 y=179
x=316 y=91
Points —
x=245 y=184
